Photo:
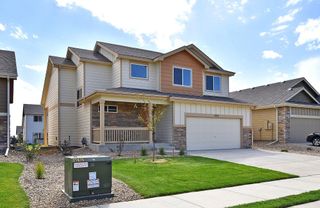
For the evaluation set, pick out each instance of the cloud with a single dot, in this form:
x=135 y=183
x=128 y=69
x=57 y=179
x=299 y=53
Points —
x=309 y=68
x=34 y=36
x=309 y=33
x=24 y=93
x=288 y=17
x=147 y=20
x=270 y=54
x=19 y=34
x=37 y=68
x=292 y=2
x=2 y=27
x=279 y=28
x=230 y=6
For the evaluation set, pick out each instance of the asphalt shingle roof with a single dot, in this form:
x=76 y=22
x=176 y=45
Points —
x=31 y=109
x=89 y=54
x=61 y=61
x=154 y=92
x=270 y=94
x=8 y=64
x=130 y=51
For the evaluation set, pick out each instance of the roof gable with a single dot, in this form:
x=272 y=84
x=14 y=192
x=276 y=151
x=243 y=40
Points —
x=302 y=97
x=32 y=109
x=8 y=66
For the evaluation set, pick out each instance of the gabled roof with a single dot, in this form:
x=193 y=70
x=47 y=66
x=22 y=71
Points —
x=273 y=94
x=87 y=55
x=61 y=61
x=130 y=51
x=8 y=66
x=32 y=109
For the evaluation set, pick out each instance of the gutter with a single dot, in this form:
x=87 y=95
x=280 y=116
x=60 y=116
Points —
x=8 y=117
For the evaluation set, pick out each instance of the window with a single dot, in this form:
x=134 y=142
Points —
x=139 y=71
x=79 y=96
x=182 y=77
x=37 y=118
x=38 y=138
x=213 y=83
x=109 y=109
x=112 y=109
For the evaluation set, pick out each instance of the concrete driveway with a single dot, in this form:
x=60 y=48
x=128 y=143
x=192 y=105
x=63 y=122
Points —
x=297 y=164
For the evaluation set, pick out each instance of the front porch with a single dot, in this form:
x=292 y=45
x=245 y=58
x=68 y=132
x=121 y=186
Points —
x=115 y=122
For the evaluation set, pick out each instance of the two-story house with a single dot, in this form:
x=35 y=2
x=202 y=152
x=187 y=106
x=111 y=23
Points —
x=8 y=73
x=32 y=124
x=92 y=94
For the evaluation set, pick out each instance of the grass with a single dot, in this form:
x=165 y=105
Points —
x=186 y=174
x=283 y=202
x=11 y=193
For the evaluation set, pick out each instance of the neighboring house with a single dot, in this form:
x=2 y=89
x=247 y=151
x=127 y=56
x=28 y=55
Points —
x=286 y=111
x=32 y=124
x=8 y=73
x=19 y=131
x=92 y=93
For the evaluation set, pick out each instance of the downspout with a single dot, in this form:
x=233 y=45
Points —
x=8 y=116
x=277 y=136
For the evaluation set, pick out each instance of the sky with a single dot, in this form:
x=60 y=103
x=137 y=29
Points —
x=263 y=41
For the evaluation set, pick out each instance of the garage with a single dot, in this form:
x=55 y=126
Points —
x=301 y=127
x=212 y=133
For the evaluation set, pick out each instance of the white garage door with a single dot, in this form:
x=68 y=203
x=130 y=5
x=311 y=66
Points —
x=212 y=133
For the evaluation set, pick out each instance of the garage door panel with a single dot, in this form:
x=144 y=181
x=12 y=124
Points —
x=212 y=133
x=301 y=127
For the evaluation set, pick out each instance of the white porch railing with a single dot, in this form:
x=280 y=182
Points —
x=127 y=134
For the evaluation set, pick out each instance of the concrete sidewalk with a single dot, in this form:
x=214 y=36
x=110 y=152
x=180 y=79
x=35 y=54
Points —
x=226 y=197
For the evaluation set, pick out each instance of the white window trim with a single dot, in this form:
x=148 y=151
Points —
x=182 y=85
x=107 y=110
x=213 y=76
x=142 y=78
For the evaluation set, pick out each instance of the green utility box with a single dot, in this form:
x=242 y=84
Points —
x=87 y=177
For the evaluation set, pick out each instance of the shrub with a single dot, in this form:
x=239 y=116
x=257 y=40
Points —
x=284 y=150
x=161 y=151
x=31 y=151
x=181 y=152
x=65 y=147
x=143 y=152
x=40 y=170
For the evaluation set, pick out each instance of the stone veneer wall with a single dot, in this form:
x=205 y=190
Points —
x=283 y=124
x=246 y=138
x=3 y=129
x=127 y=116
x=180 y=137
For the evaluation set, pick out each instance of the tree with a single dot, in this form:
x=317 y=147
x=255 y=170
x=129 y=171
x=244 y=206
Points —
x=157 y=112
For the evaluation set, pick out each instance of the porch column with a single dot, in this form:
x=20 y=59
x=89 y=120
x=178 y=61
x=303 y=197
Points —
x=150 y=120
x=102 y=132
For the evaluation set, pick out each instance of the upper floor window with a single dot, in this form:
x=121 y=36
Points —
x=79 y=96
x=139 y=71
x=213 y=83
x=37 y=118
x=182 y=77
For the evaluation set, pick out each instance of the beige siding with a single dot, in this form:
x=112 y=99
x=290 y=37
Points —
x=80 y=76
x=68 y=125
x=151 y=83
x=75 y=59
x=224 y=87
x=259 y=120
x=67 y=86
x=52 y=105
x=180 y=109
x=97 y=77
x=83 y=121
x=53 y=127
x=116 y=73
x=164 y=129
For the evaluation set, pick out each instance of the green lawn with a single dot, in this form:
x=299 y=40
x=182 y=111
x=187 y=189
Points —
x=11 y=193
x=285 y=201
x=185 y=174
